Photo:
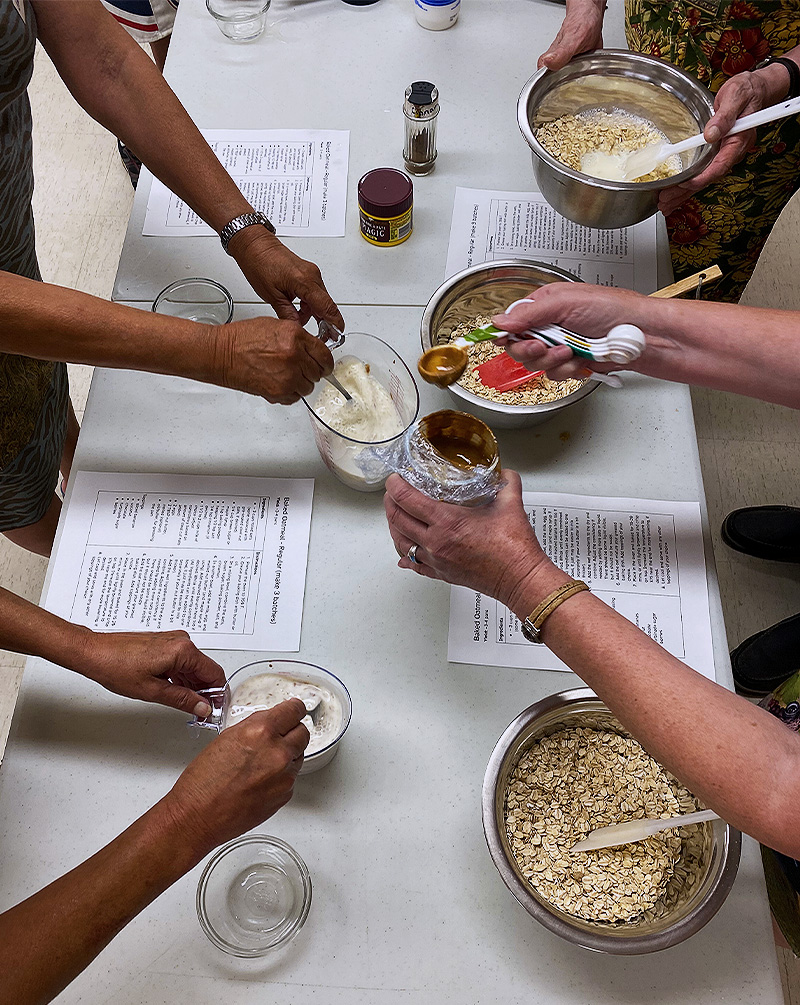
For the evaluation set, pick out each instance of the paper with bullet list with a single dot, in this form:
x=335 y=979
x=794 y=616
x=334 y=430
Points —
x=296 y=177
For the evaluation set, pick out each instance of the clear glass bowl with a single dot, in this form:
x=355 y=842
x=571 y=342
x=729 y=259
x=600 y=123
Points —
x=254 y=895
x=202 y=300
x=239 y=20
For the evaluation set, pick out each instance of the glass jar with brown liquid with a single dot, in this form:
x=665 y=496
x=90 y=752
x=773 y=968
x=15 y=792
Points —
x=452 y=456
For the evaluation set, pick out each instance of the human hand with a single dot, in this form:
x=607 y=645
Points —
x=278 y=360
x=279 y=276
x=244 y=776
x=162 y=667
x=580 y=31
x=492 y=548
x=740 y=95
x=591 y=311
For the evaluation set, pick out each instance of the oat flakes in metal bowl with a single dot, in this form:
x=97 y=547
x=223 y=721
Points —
x=577 y=779
x=569 y=137
x=537 y=391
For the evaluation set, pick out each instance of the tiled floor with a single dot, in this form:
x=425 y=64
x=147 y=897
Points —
x=748 y=449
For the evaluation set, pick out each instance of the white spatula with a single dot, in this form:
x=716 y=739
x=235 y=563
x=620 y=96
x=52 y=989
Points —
x=636 y=163
x=638 y=830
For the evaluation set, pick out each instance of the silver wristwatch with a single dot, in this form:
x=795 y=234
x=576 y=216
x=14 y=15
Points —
x=239 y=223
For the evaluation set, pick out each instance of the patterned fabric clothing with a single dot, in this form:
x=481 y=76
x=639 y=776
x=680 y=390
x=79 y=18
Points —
x=33 y=393
x=781 y=872
x=727 y=223
x=145 y=20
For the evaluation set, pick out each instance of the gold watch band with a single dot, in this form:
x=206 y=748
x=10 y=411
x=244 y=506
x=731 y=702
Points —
x=531 y=627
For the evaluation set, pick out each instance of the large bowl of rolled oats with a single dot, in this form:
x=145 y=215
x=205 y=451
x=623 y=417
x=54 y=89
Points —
x=613 y=101
x=566 y=766
x=469 y=299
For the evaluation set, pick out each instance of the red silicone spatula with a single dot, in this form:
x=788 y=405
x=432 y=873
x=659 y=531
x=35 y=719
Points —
x=503 y=372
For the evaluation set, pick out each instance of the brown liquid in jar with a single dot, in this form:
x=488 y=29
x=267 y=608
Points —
x=460 y=438
x=462 y=453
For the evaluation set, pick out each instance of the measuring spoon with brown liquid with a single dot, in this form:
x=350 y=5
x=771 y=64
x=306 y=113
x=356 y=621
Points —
x=444 y=364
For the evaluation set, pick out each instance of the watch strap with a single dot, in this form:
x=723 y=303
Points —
x=239 y=223
x=792 y=68
x=532 y=625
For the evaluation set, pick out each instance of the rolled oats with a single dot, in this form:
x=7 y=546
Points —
x=538 y=391
x=569 y=137
x=576 y=780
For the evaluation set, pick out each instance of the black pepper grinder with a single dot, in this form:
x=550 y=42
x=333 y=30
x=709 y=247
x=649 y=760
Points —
x=420 y=109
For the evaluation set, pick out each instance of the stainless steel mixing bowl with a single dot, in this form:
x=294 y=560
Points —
x=613 y=79
x=582 y=707
x=489 y=288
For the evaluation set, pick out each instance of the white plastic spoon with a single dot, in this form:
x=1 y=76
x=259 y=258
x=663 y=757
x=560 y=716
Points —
x=638 y=830
x=629 y=166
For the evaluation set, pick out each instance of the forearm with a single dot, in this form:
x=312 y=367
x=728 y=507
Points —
x=115 y=83
x=51 y=322
x=48 y=939
x=736 y=757
x=28 y=629
x=748 y=350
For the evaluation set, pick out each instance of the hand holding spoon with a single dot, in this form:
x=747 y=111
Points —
x=443 y=364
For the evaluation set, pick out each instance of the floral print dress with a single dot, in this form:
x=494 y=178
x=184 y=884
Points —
x=727 y=223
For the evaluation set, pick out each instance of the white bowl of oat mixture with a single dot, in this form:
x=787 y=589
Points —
x=471 y=297
x=565 y=766
x=607 y=86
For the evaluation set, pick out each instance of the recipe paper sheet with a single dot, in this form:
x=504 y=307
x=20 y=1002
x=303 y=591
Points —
x=643 y=557
x=223 y=558
x=489 y=226
x=297 y=177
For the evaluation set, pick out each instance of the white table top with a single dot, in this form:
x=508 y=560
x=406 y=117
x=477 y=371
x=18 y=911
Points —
x=314 y=76
x=407 y=904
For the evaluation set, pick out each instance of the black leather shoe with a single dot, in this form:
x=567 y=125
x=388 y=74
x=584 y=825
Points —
x=771 y=532
x=768 y=658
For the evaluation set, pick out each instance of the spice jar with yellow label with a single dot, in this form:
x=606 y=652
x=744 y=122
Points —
x=385 y=206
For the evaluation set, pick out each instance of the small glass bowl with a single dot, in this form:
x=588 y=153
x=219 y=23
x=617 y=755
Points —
x=200 y=300
x=254 y=896
x=239 y=20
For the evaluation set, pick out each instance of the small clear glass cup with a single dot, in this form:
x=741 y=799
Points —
x=340 y=452
x=254 y=896
x=239 y=20
x=200 y=300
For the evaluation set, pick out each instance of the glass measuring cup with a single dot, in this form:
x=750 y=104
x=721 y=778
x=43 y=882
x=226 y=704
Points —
x=341 y=452
x=326 y=697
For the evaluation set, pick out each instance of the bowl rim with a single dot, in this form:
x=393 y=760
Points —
x=615 y=945
x=219 y=854
x=708 y=151
x=475 y=399
x=347 y=713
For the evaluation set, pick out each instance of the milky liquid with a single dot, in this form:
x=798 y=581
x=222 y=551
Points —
x=266 y=690
x=370 y=417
